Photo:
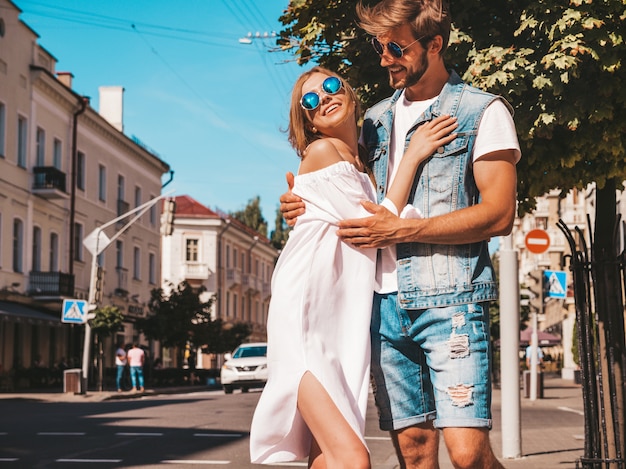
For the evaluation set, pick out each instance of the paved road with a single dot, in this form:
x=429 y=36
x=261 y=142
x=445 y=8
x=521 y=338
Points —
x=210 y=429
x=201 y=428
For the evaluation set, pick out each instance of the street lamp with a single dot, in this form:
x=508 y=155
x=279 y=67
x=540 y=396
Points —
x=96 y=242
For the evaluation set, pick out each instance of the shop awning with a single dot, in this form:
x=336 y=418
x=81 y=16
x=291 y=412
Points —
x=19 y=312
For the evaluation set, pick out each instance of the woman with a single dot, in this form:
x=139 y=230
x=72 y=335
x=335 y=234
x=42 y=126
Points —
x=318 y=327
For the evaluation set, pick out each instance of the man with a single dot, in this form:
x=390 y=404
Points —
x=136 y=358
x=120 y=363
x=430 y=321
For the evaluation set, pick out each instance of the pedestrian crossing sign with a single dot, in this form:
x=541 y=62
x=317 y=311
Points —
x=556 y=282
x=74 y=311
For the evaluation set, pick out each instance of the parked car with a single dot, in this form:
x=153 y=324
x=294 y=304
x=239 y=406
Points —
x=246 y=368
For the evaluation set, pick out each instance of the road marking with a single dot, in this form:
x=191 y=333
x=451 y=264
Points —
x=88 y=460
x=137 y=434
x=289 y=464
x=9 y=459
x=219 y=435
x=61 y=433
x=384 y=438
x=3 y=433
x=193 y=461
x=576 y=411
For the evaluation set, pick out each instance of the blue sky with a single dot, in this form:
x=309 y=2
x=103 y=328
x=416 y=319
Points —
x=210 y=106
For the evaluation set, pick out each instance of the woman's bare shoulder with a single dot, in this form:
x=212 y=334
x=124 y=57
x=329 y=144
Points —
x=319 y=154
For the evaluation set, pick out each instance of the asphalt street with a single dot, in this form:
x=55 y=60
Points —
x=199 y=426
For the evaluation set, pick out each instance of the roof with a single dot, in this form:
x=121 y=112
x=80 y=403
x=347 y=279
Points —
x=187 y=206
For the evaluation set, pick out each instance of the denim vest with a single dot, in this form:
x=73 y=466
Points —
x=432 y=275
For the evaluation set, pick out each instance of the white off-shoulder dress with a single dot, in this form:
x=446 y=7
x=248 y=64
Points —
x=319 y=315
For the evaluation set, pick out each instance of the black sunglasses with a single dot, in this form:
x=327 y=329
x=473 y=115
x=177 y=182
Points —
x=394 y=49
x=311 y=100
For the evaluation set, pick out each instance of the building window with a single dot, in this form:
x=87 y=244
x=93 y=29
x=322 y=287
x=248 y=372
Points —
x=121 y=187
x=136 y=263
x=192 y=250
x=3 y=125
x=102 y=183
x=22 y=135
x=152 y=268
x=235 y=258
x=137 y=196
x=41 y=147
x=54 y=252
x=119 y=254
x=57 y=153
x=243 y=262
x=78 y=242
x=227 y=257
x=80 y=171
x=153 y=211
x=36 y=249
x=18 y=245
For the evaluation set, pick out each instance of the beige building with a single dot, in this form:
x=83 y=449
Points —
x=233 y=262
x=65 y=169
x=558 y=315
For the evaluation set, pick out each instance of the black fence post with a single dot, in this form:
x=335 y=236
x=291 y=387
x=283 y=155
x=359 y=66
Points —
x=599 y=285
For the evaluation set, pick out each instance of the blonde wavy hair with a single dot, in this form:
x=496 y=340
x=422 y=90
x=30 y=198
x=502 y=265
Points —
x=300 y=132
x=427 y=18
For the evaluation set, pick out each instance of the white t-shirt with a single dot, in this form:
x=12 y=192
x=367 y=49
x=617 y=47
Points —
x=496 y=131
x=120 y=357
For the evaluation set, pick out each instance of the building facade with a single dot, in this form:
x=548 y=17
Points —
x=65 y=170
x=557 y=315
x=231 y=261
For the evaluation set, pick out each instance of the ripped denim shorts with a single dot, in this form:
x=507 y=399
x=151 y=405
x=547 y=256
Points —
x=431 y=364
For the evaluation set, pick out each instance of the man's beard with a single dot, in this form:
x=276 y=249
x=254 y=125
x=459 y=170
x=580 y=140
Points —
x=413 y=77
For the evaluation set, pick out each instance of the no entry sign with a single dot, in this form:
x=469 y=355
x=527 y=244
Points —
x=537 y=241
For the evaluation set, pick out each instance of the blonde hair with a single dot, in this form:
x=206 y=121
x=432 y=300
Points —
x=427 y=18
x=300 y=131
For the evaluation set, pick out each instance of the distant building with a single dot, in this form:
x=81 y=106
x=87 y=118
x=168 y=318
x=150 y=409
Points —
x=558 y=315
x=65 y=169
x=233 y=262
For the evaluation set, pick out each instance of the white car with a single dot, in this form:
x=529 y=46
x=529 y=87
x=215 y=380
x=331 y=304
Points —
x=246 y=368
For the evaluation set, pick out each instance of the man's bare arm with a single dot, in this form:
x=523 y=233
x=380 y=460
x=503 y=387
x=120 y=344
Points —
x=496 y=180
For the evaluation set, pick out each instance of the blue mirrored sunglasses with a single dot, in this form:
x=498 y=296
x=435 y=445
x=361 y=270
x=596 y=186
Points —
x=311 y=100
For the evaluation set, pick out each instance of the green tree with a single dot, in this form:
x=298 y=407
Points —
x=561 y=66
x=281 y=231
x=180 y=318
x=252 y=216
x=107 y=321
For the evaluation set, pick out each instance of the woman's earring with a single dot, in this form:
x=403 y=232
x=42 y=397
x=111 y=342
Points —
x=314 y=130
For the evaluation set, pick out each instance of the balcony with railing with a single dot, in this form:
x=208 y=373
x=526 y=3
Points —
x=233 y=278
x=49 y=182
x=196 y=270
x=50 y=284
x=266 y=289
x=250 y=283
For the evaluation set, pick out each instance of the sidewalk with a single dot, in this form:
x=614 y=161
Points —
x=552 y=428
